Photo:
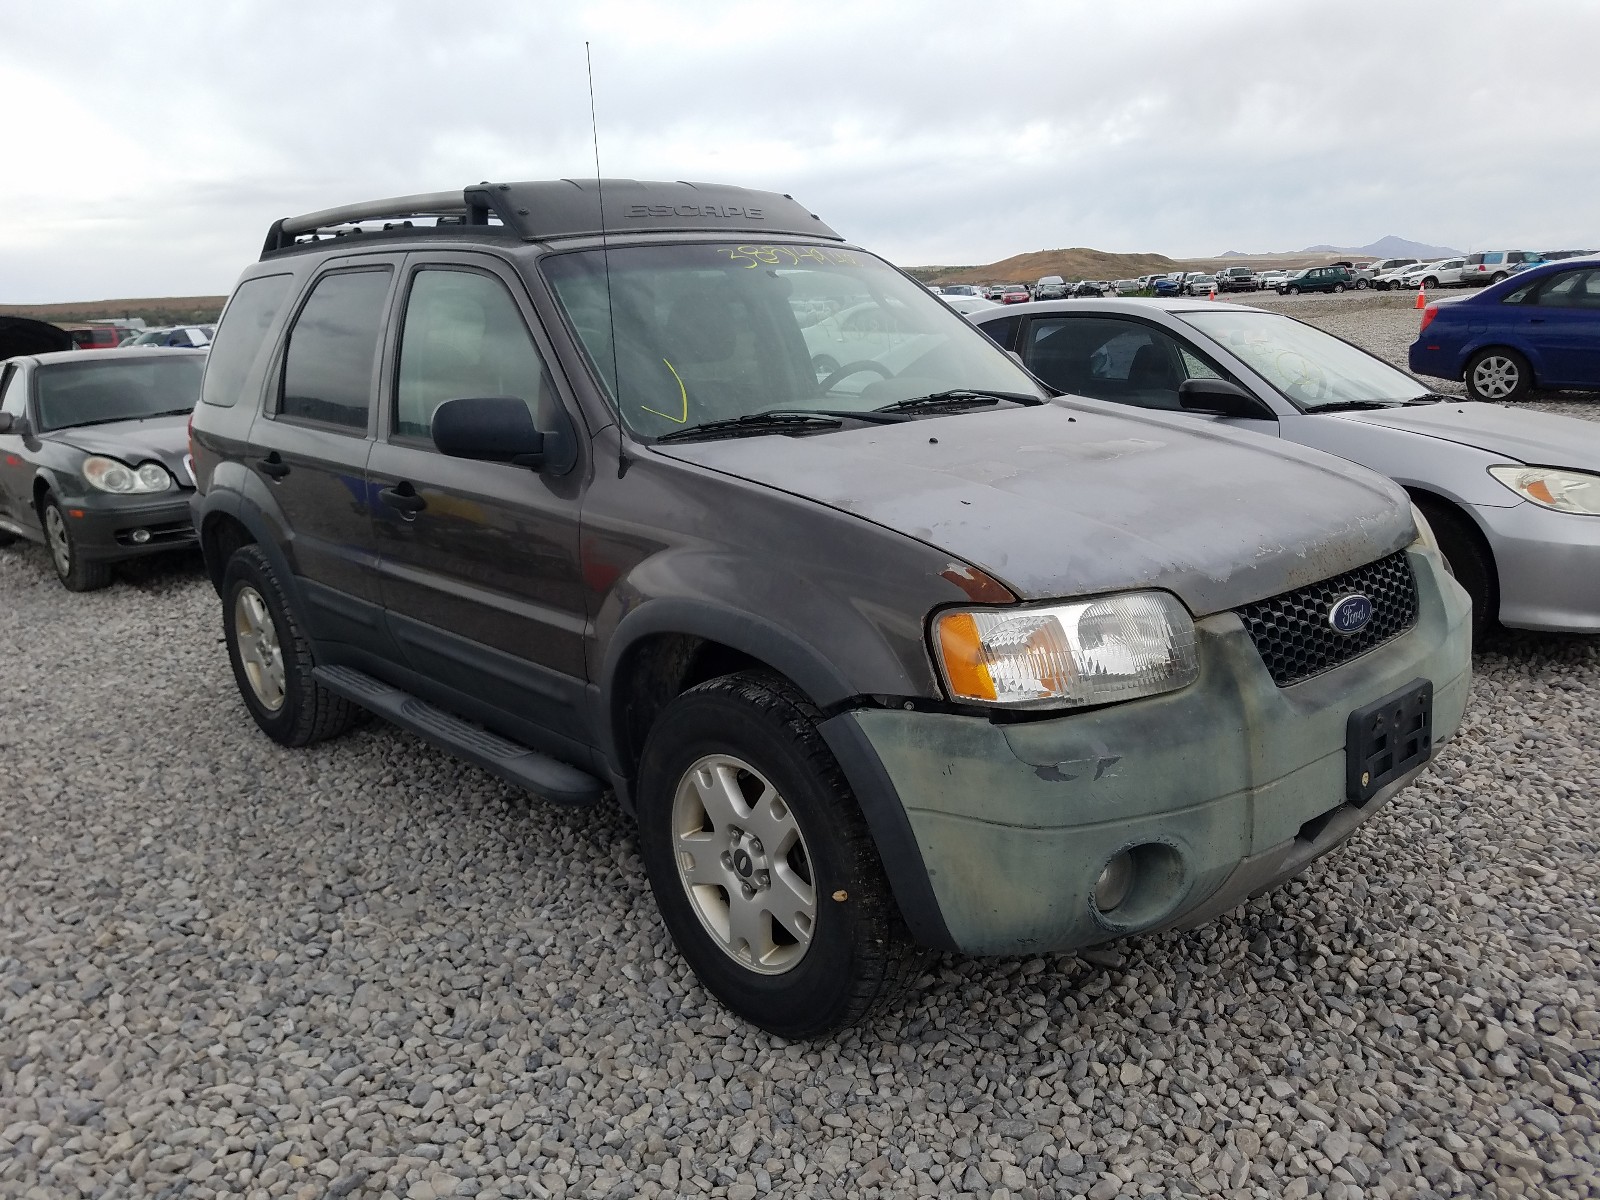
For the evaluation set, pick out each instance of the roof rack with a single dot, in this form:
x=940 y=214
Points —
x=562 y=208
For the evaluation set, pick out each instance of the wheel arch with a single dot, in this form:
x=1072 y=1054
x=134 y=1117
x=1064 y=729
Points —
x=1426 y=498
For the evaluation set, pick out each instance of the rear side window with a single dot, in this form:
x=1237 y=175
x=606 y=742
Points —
x=1002 y=331
x=333 y=346
x=250 y=314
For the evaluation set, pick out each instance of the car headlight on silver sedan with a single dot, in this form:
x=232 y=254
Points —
x=1552 y=487
x=1083 y=652
x=109 y=475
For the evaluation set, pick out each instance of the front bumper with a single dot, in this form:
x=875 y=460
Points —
x=103 y=527
x=1229 y=786
x=1549 y=566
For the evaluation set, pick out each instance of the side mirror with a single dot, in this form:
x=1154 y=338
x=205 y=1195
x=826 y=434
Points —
x=1223 y=399
x=489 y=428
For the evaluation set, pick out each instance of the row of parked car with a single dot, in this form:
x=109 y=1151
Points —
x=111 y=337
x=893 y=630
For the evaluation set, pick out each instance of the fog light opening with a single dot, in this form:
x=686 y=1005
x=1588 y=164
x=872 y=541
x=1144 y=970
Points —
x=1111 y=889
x=140 y=536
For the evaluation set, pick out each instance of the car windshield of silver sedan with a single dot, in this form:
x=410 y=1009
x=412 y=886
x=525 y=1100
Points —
x=93 y=393
x=1315 y=370
x=690 y=336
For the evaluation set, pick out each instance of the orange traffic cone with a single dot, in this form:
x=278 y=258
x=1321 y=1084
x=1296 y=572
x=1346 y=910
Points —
x=1422 y=295
x=1213 y=294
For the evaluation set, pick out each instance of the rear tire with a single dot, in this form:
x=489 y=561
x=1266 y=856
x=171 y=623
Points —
x=271 y=657
x=76 y=573
x=739 y=758
x=1469 y=561
x=1498 y=374
x=1338 y=287
x=1361 y=285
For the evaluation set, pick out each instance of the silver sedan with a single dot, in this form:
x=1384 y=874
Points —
x=1513 y=496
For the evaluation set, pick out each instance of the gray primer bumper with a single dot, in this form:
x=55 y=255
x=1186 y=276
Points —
x=1242 y=780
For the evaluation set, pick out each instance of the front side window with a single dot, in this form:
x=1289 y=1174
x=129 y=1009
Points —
x=464 y=336
x=713 y=331
x=128 y=389
x=328 y=365
x=1310 y=367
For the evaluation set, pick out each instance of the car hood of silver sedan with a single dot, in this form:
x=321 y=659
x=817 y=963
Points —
x=1522 y=434
x=1078 y=499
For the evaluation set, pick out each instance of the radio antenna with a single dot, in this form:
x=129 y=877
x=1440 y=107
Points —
x=605 y=253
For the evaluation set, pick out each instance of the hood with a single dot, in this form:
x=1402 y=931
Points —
x=23 y=335
x=165 y=439
x=1522 y=434
x=1078 y=498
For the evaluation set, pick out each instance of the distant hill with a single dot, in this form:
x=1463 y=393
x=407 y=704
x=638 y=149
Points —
x=166 y=310
x=1078 y=262
x=1388 y=247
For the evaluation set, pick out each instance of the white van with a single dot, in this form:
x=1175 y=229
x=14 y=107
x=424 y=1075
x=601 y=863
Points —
x=1491 y=266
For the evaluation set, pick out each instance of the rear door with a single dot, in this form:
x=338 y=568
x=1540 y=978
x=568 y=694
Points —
x=479 y=561
x=1563 y=322
x=311 y=443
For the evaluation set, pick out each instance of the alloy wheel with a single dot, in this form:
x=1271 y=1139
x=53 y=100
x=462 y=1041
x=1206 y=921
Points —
x=259 y=651
x=60 y=545
x=743 y=864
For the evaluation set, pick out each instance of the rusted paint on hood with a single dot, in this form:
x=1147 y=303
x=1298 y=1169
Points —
x=1076 y=498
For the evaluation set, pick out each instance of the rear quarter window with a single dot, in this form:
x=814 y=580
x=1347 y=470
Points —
x=245 y=323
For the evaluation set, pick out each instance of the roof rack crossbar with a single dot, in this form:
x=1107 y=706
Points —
x=428 y=204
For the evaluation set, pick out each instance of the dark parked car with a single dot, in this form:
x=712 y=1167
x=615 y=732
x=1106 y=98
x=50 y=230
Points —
x=93 y=456
x=24 y=335
x=98 y=337
x=904 y=652
x=1537 y=328
x=1317 y=279
x=1237 y=279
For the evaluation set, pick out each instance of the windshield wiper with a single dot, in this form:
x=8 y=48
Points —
x=773 y=422
x=958 y=398
x=1353 y=405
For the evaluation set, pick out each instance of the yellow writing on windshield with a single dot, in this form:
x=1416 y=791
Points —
x=752 y=256
x=683 y=394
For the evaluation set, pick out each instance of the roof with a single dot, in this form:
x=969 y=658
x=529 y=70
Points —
x=1132 y=305
x=140 y=353
x=560 y=208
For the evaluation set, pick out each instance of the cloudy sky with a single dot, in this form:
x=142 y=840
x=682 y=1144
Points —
x=160 y=141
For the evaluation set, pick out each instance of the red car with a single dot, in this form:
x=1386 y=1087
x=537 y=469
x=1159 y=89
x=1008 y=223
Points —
x=97 y=337
x=1013 y=293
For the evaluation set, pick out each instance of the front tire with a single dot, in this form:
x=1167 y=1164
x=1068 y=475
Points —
x=1469 y=561
x=1497 y=375
x=1291 y=291
x=271 y=657
x=76 y=573
x=761 y=862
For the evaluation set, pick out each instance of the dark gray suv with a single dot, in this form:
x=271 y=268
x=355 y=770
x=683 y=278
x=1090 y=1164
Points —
x=675 y=496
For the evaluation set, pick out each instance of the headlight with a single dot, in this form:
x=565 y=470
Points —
x=1088 y=652
x=1550 y=487
x=1425 y=533
x=109 y=475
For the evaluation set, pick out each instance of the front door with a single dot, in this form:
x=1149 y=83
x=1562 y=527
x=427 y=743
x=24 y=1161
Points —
x=479 y=561
x=310 y=446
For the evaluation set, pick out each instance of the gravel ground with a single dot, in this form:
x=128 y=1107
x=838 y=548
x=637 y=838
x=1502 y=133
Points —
x=365 y=969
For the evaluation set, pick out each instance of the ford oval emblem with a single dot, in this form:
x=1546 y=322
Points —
x=1350 y=614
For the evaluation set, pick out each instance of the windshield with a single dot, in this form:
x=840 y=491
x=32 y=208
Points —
x=1313 y=369
x=89 y=393
x=707 y=332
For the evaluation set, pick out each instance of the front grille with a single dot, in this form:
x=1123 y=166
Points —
x=1294 y=636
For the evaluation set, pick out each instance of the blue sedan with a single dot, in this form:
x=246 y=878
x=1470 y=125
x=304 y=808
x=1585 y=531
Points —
x=1538 y=328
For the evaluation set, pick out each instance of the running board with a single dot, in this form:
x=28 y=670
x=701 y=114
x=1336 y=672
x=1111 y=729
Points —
x=539 y=773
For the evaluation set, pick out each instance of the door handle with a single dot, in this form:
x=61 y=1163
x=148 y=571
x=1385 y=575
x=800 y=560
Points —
x=273 y=466
x=403 y=497
x=1535 y=320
